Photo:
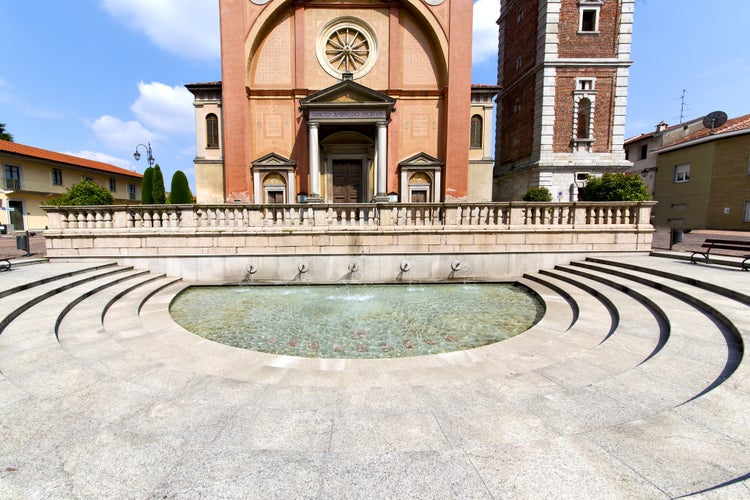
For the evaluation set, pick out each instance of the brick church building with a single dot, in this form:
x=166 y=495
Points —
x=338 y=102
x=341 y=101
x=563 y=69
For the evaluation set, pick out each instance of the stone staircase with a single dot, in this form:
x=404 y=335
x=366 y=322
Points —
x=633 y=384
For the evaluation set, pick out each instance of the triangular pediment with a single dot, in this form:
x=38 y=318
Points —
x=347 y=102
x=273 y=160
x=421 y=160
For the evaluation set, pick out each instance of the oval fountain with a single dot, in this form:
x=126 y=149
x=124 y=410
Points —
x=358 y=320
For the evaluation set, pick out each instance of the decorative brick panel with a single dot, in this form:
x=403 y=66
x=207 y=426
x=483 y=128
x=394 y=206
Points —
x=604 y=106
x=602 y=44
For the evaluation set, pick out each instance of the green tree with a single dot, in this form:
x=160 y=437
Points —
x=614 y=187
x=180 y=189
x=157 y=191
x=147 y=186
x=85 y=192
x=5 y=136
x=538 y=194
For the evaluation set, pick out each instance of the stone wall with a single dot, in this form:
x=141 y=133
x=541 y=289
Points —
x=358 y=243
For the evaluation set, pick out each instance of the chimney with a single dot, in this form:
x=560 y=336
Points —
x=661 y=126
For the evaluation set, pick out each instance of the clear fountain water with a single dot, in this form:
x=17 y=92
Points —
x=358 y=321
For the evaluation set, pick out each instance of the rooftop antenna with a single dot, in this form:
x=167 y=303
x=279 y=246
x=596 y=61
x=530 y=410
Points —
x=714 y=119
x=682 y=105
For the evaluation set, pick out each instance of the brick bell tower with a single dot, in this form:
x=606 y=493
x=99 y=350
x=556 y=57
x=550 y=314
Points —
x=563 y=69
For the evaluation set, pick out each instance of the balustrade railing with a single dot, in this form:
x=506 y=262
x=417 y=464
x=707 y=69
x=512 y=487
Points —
x=392 y=216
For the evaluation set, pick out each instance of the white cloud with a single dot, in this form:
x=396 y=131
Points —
x=188 y=28
x=484 y=31
x=104 y=158
x=119 y=134
x=164 y=108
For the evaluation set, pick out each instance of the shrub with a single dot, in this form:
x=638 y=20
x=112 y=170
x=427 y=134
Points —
x=538 y=194
x=157 y=191
x=614 y=187
x=147 y=186
x=180 y=189
x=85 y=192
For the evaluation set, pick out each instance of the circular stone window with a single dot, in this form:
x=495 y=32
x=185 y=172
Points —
x=347 y=45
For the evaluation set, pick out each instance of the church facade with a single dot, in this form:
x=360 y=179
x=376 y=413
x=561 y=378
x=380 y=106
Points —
x=342 y=102
x=563 y=69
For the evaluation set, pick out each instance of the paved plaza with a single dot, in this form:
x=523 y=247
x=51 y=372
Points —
x=633 y=385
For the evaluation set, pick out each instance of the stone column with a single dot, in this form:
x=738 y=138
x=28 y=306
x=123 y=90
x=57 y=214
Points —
x=314 y=162
x=381 y=169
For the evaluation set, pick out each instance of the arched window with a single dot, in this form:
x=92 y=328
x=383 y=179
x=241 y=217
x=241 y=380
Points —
x=274 y=185
x=420 y=187
x=584 y=119
x=476 y=131
x=212 y=131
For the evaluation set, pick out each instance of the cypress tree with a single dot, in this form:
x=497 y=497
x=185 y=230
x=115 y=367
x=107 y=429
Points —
x=157 y=191
x=147 y=186
x=180 y=189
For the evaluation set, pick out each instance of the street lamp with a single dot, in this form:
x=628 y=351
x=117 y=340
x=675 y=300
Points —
x=150 y=158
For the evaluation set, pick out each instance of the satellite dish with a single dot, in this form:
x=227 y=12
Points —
x=714 y=119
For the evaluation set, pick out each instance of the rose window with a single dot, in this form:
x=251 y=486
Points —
x=347 y=45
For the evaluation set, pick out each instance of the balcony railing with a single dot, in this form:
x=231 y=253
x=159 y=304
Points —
x=12 y=184
x=351 y=217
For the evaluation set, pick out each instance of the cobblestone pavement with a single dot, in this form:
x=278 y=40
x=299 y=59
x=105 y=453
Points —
x=8 y=248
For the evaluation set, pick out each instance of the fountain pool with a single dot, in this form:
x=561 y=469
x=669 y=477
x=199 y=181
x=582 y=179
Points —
x=357 y=321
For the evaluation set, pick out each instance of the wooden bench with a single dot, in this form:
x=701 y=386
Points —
x=713 y=244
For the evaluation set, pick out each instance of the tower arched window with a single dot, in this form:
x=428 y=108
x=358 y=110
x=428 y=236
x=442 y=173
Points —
x=583 y=126
x=212 y=131
x=476 y=131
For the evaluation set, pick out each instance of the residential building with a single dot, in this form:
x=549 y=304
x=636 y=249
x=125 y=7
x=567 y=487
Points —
x=481 y=141
x=342 y=102
x=703 y=179
x=563 y=68
x=31 y=176
x=641 y=150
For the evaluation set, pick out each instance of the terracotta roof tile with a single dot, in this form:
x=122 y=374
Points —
x=639 y=138
x=732 y=125
x=43 y=154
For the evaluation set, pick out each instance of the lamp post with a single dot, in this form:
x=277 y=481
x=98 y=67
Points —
x=150 y=158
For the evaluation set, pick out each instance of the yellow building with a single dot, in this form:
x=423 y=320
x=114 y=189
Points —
x=31 y=176
x=703 y=179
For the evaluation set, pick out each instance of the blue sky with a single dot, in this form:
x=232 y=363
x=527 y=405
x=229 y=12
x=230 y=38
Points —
x=94 y=78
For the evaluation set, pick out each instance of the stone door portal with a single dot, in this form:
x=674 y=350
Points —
x=347 y=181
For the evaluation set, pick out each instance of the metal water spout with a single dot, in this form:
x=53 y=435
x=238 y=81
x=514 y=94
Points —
x=303 y=268
x=456 y=265
x=250 y=271
x=405 y=266
x=353 y=267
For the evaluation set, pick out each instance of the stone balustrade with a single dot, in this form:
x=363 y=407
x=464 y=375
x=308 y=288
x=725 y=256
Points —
x=218 y=243
x=395 y=216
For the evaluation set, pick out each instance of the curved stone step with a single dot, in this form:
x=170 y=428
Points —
x=692 y=362
x=32 y=276
x=30 y=355
x=636 y=329
x=80 y=329
x=727 y=305
x=478 y=423
x=23 y=297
